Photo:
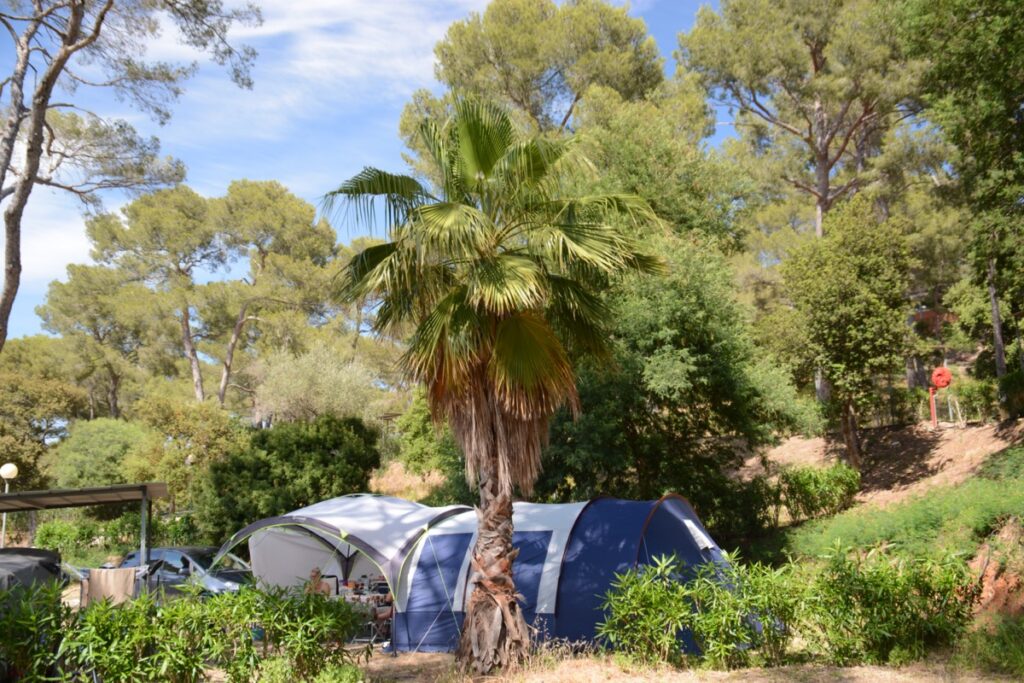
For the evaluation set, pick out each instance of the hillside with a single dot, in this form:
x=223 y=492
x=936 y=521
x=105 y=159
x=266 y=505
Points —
x=901 y=462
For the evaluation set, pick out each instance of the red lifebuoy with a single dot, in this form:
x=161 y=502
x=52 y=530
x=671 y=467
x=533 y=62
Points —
x=941 y=377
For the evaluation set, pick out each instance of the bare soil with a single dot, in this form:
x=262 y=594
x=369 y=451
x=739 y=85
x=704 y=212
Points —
x=900 y=462
x=441 y=667
x=1000 y=564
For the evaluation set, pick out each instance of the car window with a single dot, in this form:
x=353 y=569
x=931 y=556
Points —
x=174 y=561
x=130 y=560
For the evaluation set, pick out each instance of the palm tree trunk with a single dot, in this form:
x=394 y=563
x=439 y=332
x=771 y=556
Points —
x=494 y=633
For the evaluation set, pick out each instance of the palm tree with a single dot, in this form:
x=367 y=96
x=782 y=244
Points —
x=498 y=271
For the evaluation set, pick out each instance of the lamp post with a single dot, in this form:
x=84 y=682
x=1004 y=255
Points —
x=8 y=472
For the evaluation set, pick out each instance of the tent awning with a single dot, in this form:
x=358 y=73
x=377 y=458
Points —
x=22 y=501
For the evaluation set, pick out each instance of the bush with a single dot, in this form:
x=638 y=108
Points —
x=978 y=398
x=854 y=608
x=733 y=613
x=289 y=466
x=177 y=641
x=66 y=537
x=31 y=622
x=878 y=609
x=809 y=492
x=998 y=648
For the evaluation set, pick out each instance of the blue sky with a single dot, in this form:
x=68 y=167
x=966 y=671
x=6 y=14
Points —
x=330 y=83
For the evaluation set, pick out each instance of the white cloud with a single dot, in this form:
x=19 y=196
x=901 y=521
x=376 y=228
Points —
x=316 y=57
x=52 y=236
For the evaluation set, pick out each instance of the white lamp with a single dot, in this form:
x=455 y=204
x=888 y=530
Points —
x=7 y=472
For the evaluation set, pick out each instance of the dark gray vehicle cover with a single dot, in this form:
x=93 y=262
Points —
x=25 y=566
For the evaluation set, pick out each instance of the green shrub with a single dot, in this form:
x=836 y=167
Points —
x=978 y=398
x=809 y=492
x=942 y=521
x=998 y=648
x=31 y=623
x=340 y=673
x=879 y=609
x=736 y=614
x=175 y=640
x=853 y=608
x=66 y=537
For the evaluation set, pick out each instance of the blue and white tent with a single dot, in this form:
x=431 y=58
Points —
x=568 y=556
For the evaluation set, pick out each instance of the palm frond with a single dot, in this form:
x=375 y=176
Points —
x=529 y=367
x=482 y=132
x=452 y=229
x=505 y=283
x=400 y=193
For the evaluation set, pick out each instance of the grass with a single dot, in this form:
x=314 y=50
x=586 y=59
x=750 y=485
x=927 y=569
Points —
x=951 y=519
x=999 y=649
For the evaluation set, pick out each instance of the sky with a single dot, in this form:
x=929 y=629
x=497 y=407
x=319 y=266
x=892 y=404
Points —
x=331 y=80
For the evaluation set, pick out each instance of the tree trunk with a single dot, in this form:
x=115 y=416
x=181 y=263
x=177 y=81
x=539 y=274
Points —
x=190 y=353
x=22 y=187
x=112 y=391
x=494 y=633
x=229 y=355
x=822 y=387
x=999 y=347
x=851 y=437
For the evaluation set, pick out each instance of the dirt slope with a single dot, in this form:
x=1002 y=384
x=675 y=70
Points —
x=901 y=461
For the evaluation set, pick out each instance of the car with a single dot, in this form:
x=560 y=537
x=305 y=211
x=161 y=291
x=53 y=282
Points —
x=172 y=568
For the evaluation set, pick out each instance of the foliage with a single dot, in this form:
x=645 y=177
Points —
x=93 y=453
x=66 y=537
x=816 y=86
x=425 y=447
x=32 y=620
x=998 y=648
x=187 y=437
x=550 y=55
x=978 y=398
x=173 y=640
x=288 y=466
x=320 y=381
x=68 y=47
x=943 y=520
x=1006 y=464
x=679 y=340
x=854 y=609
x=877 y=609
x=33 y=412
x=850 y=289
x=735 y=614
x=809 y=492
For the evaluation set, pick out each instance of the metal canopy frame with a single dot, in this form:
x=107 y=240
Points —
x=27 y=501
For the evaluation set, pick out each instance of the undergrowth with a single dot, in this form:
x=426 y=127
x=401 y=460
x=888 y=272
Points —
x=944 y=520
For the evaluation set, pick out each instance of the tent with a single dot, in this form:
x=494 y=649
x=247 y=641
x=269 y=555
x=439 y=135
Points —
x=568 y=556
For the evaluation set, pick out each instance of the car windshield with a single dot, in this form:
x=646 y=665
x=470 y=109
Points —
x=230 y=562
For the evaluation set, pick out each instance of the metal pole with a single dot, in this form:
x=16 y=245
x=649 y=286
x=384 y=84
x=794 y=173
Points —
x=144 y=537
x=3 y=531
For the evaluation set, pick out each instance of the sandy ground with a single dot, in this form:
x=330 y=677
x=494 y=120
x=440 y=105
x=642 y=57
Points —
x=437 y=667
x=901 y=462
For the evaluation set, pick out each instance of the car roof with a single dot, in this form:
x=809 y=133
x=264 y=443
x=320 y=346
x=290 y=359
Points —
x=187 y=549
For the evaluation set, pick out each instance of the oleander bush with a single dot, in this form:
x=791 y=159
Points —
x=177 y=640
x=853 y=608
